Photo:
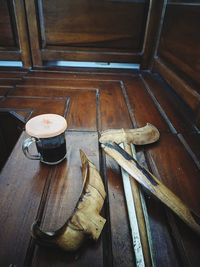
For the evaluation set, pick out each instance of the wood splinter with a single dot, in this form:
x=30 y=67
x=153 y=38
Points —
x=85 y=222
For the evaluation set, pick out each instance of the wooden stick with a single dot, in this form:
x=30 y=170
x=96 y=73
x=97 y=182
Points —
x=132 y=205
x=151 y=183
x=142 y=217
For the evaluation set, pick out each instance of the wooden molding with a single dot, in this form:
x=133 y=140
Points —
x=152 y=33
x=183 y=89
x=22 y=32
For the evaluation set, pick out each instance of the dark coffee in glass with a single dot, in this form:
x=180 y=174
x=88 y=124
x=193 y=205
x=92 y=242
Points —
x=47 y=133
x=52 y=150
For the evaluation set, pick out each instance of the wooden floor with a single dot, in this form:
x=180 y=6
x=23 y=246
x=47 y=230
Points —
x=93 y=101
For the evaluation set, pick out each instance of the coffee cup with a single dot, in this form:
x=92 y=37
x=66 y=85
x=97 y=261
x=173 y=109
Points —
x=47 y=132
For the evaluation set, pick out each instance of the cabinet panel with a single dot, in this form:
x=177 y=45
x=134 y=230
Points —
x=87 y=30
x=14 y=44
x=7 y=26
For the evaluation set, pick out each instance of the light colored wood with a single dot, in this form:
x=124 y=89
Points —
x=85 y=222
x=152 y=184
x=140 y=136
x=132 y=205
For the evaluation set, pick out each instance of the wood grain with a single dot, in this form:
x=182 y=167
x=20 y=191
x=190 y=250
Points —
x=97 y=100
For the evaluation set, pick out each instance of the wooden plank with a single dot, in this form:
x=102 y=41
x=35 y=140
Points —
x=113 y=113
x=121 y=241
x=183 y=88
x=77 y=115
x=143 y=108
x=64 y=191
x=178 y=116
x=181 y=53
x=10 y=55
x=82 y=110
x=178 y=171
x=22 y=183
x=113 y=109
x=154 y=21
x=97 y=56
x=193 y=145
x=22 y=32
x=7 y=39
x=122 y=26
x=82 y=73
x=37 y=105
x=11 y=74
x=33 y=33
x=4 y=90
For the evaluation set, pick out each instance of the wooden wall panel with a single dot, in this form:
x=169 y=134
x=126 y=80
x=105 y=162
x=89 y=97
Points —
x=7 y=37
x=14 y=44
x=111 y=31
x=179 y=44
x=103 y=24
x=178 y=55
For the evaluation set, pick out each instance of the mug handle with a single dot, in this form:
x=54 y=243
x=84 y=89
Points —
x=25 y=148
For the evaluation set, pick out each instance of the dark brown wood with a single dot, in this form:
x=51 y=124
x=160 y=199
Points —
x=143 y=108
x=62 y=200
x=154 y=21
x=82 y=34
x=22 y=33
x=183 y=179
x=33 y=33
x=24 y=199
x=184 y=89
x=92 y=102
x=178 y=116
x=14 y=43
x=179 y=43
x=35 y=105
x=11 y=129
x=92 y=55
x=7 y=38
x=178 y=54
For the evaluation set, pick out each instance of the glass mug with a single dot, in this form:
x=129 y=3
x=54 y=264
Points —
x=47 y=131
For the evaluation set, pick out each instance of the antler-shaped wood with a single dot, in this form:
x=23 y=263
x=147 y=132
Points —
x=85 y=222
x=139 y=136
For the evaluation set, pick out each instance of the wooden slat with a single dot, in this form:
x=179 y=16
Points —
x=76 y=118
x=152 y=31
x=177 y=114
x=82 y=73
x=108 y=101
x=5 y=90
x=37 y=105
x=178 y=171
x=96 y=56
x=82 y=110
x=22 y=33
x=143 y=107
x=33 y=33
x=175 y=48
x=121 y=241
x=10 y=55
x=21 y=185
x=113 y=109
x=7 y=38
x=183 y=88
x=64 y=191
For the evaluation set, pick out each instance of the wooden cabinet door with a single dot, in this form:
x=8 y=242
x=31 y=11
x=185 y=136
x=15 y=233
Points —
x=86 y=30
x=14 y=43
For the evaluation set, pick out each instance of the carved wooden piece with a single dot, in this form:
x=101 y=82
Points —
x=85 y=222
x=151 y=183
x=140 y=136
